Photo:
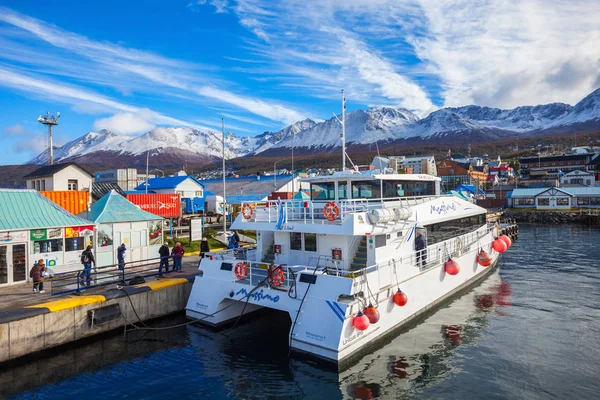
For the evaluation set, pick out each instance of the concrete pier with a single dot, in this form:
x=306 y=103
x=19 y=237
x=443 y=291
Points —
x=32 y=328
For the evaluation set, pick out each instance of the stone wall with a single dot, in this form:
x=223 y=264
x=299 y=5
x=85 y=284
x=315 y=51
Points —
x=547 y=217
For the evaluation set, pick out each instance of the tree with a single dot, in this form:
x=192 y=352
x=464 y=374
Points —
x=515 y=164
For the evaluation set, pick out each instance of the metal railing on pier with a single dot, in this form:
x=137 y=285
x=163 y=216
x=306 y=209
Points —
x=116 y=274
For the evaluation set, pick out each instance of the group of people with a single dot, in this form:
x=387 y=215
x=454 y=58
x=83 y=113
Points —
x=39 y=271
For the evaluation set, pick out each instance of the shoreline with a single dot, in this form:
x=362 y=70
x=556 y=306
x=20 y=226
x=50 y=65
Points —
x=554 y=217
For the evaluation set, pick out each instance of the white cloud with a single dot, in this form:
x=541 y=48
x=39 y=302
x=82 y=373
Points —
x=15 y=130
x=123 y=63
x=127 y=123
x=23 y=140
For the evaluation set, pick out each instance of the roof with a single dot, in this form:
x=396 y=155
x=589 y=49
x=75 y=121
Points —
x=100 y=189
x=29 y=209
x=168 y=182
x=572 y=191
x=527 y=192
x=246 y=188
x=49 y=170
x=115 y=208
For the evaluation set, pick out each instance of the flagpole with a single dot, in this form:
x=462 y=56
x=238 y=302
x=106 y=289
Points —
x=343 y=131
x=224 y=185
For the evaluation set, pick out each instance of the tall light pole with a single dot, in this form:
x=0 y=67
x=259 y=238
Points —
x=49 y=121
x=161 y=171
x=224 y=185
x=275 y=174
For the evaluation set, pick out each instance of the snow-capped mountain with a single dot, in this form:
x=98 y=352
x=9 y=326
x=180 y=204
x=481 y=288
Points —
x=384 y=125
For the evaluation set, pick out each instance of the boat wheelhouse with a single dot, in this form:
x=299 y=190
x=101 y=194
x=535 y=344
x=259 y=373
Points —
x=352 y=246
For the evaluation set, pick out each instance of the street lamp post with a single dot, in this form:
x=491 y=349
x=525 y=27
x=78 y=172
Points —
x=275 y=175
x=161 y=171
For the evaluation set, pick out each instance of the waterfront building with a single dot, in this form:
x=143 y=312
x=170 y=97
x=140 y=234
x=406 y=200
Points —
x=579 y=178
x=120 y=221
x=454 y=174
x=32 y=228
x=555 y=166
x=57 y=177
x=555 y=198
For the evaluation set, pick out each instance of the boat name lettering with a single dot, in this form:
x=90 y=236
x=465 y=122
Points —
x=287 y=227
x=443 y=208
x=202 y=306
x=353 y=337
x=315 y=336
x=258 y=296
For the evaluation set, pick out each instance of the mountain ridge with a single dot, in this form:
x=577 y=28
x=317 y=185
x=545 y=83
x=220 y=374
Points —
x=385 y=125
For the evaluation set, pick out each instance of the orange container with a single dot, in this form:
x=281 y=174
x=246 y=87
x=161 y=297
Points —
x=73 y=201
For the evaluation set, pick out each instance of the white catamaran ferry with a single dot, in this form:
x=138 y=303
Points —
x=365 y=255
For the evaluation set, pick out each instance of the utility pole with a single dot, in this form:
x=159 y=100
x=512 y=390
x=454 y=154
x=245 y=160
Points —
x=224 y=185
x=49 y=121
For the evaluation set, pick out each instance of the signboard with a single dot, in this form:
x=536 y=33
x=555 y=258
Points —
x=163 y=205
x=78 y=231
x=54 y=233
x=9 y=237
x=38 y=234
x=195 y=229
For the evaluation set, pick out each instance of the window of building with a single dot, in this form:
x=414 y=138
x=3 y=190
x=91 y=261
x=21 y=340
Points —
x=595 y=201
x=545 y=164
x=295 y=241
x=322 y=191
x=561 y=163
x=72 y=184
x=199 y=193
x=553 y=163
x=569 y=162
x=543 y=201
x=588 y=182
x=529 y=201
x=583 y=201
x=310 y=242
x=562 y=201
x=43 y=185
x=47 y=246
x=578 y=161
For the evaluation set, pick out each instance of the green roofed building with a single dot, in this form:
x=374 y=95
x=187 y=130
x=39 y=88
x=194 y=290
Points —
x=32 y=228
x=120 y=221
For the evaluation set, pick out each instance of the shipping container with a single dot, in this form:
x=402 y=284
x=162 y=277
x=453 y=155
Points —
x=131 y=174
x=73 y=201
x=111 y=175
x=163 y=205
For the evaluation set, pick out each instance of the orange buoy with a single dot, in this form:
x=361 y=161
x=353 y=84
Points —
x=484 y=259
x=499 y=245
x=372 y=313
x=361 y=321
x=451 y=267
x=400 y=298
x=506 y=240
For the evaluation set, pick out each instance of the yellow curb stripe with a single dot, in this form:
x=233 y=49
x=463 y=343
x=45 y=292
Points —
x=163 y=283
x=71 y=302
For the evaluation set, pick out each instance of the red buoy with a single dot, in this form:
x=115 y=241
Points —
x=499 y=245
x=361 y=321
x=372 y=313
x=400 y=298
x=506 y=240
x=484 y=259
x=451 y=267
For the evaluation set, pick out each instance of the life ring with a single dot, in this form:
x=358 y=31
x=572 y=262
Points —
x=331 y=211
x=241 y=271
x=276 y=276
x=247 y=211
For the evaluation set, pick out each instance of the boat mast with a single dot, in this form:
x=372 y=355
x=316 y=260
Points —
x=343 y=131
x=224 y=186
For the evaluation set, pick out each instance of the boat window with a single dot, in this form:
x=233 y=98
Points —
x=342 y=190
x=366 y=190
x=449 y=229
x=295 y=241
x=322 y=191
x=380 y=241
x=310 y=242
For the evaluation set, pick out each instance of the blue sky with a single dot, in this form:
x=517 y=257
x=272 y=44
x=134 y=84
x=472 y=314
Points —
x=129 y=66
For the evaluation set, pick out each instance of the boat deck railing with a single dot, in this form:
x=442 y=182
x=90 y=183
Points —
x=311 y=211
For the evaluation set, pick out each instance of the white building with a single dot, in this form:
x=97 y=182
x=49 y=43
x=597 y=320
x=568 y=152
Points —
x=581 y=178
x=419 y=165
x=555 y=198
x=59 y=177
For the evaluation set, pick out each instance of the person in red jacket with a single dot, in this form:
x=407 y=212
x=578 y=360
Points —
x=37 y=276
x=177 y=254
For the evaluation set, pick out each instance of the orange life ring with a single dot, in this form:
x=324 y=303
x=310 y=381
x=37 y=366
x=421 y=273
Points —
x=241 y=271
x=276 y=276
x=247 y=211
x=331 y=211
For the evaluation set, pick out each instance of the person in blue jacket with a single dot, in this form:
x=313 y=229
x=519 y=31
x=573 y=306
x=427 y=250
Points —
x=121 y=253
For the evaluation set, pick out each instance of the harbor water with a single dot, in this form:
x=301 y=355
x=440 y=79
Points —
x=530 y=330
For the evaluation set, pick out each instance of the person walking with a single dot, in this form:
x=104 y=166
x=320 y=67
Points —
x=204 y=248
x=87 y=259
x=37 y=276
x=177 y=254
x=121 y=254
x=163 y=251
x=420 y=248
